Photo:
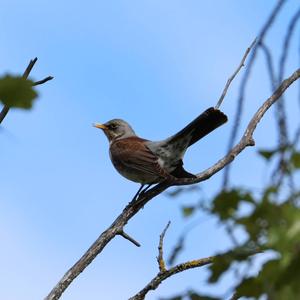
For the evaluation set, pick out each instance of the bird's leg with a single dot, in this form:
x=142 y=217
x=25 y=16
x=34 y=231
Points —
x=138 y=192
x=146 y=189
x=143 y=192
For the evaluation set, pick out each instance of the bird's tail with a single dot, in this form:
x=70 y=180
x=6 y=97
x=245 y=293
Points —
x=204 y=124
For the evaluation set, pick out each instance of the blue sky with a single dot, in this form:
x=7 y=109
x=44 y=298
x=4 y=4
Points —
x=156 y=64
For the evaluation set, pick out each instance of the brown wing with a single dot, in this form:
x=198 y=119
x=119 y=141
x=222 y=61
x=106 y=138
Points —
x=133 y=153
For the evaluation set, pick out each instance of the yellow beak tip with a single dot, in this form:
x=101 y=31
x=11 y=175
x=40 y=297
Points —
x=97 y=125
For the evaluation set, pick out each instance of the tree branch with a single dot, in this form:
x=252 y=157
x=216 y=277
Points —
x=230 y=79
x=165 y=273
x=25 y=75
x=161 y=276
x=129 y=238
x=160 y=258
x=133 y=207
x=235 y=296
x=43 y=81
x=244 y=82
x=247 y=138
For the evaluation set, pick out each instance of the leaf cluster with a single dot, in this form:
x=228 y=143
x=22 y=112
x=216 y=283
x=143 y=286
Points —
x=270 y=221
x=272 y=225
x=15 y=91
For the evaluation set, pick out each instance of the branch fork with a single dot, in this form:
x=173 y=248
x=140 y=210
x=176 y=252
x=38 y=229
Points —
x=165 y=273
x=25 y=75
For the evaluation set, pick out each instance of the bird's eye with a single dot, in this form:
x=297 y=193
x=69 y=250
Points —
x=112 y=126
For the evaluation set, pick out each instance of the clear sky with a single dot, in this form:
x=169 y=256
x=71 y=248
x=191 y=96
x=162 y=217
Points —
x=156 y=64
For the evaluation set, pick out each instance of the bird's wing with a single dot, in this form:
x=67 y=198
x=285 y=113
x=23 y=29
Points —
x=133 y=153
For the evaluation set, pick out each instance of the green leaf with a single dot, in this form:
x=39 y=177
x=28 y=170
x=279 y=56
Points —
x=268 y=192
x=250 y=287
x=219 y=266
x=295 y=159
x=172 y=298
x=226 y=203
x=196 y=296
x=289 y=274
x=16 y=91
x=267 y=154
x=188 y=210
x=222 y=262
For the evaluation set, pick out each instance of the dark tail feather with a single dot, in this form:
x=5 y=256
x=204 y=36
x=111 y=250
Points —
x=204 y=124
x=180 y=172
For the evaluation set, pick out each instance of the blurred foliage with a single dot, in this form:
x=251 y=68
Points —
x=270 y=220
x=190 y=295
x=16 y=91
x=187 y=211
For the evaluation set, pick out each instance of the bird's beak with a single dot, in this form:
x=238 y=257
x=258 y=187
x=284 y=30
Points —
x=101 y=126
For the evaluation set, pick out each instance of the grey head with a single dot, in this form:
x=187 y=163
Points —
x=116 y=129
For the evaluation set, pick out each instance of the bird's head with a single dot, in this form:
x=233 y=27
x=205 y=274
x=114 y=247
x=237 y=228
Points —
x=115 y=129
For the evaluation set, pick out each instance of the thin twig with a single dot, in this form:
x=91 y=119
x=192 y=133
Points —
x=280 y=168
x=160 y=258
x=270 y=65
x=3 y=113
x=177 y=249
x=230 y=79
x=29 y=68
x=244 y=82
x=299 y=65
x=25 y=75
x=235 y=296
x=129 y=238
x=161 y=276
x=42 y=81
x=280 y=111
x=286 y=43
x=179 y=246
x=133 y=207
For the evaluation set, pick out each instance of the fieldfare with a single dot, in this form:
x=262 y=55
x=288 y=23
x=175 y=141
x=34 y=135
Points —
x=149 y=162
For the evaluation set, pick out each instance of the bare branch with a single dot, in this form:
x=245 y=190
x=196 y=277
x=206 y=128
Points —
x=129 y=238
x=114 y=229
x=299 y=65
x=247 y=139
x=280 y=168
x=244 y=82
x=3 y=113
x=25 y=75
x=179 y=246
x=160 y=258
x=270 y=65
x=286 y=43
x=29 y=68
x=230 y=79
x=235 y=296
x=43 y=81
x=161 y=276
x=133 y=207
x=280 y=110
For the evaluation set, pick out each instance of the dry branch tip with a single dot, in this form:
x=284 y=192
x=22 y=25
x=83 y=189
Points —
x=160 y=258
x=129 y=238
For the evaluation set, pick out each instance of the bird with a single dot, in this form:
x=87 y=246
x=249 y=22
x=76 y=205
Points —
x=150 y=162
